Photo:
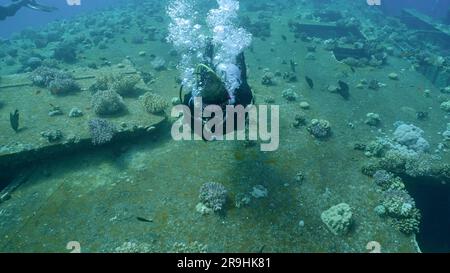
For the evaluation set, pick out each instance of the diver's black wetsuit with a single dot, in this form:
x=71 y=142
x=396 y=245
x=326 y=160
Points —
x=11 y=9
x=243 y=95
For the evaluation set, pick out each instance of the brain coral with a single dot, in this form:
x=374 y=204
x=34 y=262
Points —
x=338 y=218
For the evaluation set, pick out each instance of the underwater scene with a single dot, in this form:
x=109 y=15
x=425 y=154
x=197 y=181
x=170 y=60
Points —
x=224 y=126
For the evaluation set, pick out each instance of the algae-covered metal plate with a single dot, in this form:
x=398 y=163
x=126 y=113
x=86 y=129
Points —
x=34 y=104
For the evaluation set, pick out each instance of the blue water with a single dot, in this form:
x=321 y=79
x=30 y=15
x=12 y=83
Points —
x=30 y=18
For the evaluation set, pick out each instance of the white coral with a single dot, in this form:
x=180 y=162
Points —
x=338 y=218
x=411 y=137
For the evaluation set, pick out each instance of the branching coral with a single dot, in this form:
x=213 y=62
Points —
x=52 y=135
x=194 y=247
x=102 y=131
x=338 y=218
x=124 y=85
x=63 y=86
x=213 y=195
x=107 y=103
x=289 y=94
x=383 y=178
x=132 y=247
x=44 y=75
x=398 y=203
x=409 y=225
x=320 y=128
x=58 y=81
x=153 y=103
x=445 y=106
x=101 y=84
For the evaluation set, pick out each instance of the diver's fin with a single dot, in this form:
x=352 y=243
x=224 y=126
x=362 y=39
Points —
x=240 y=62
x=36 y=6
x=180 y=93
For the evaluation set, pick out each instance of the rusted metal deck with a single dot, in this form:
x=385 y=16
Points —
x=34 y=103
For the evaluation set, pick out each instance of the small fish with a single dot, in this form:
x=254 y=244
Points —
x=344 y=90
x=310 y=82
x=352 y=69
x=142 y=219
x=293 y=65
x=284 y=37
x=38 y=92
x=124 y=40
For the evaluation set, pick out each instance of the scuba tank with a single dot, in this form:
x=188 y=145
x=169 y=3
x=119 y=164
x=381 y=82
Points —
x=211 y=87
x=213 y=90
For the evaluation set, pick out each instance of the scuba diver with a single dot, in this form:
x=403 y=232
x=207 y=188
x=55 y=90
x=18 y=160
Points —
x=214 y=91
x=12 y=9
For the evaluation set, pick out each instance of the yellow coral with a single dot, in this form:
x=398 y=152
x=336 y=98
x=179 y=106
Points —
x=124 y=84
x=153 y=103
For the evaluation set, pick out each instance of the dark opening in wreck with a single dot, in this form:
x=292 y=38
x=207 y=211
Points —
x=5 y=180
x=433 y=199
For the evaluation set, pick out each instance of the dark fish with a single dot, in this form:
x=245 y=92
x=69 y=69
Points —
x=261 y=249
x=142 y=219
x=284 y=37
x=421 y=115
x=309 y=82
x=124 y=40
x=14 y=120
x=344 y=90
x=374 y=85
x=353 y=70
x=293 y=65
